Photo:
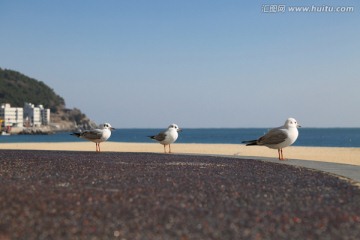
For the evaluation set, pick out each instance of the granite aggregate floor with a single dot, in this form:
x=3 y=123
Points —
x=88 y=195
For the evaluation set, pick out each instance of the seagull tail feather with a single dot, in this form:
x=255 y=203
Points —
x=250 y=143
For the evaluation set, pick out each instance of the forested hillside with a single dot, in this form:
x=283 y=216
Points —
x=17 y=88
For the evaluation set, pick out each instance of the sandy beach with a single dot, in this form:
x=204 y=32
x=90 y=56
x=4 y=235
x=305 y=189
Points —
x=323 y=154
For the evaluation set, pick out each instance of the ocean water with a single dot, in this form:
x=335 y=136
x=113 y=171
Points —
x=315 y=137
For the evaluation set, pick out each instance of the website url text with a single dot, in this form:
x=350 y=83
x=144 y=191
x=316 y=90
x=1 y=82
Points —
x=280 y=8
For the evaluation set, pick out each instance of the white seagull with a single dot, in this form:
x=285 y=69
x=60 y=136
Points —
x=168 y=136
x=96 y=135
x=279 y=138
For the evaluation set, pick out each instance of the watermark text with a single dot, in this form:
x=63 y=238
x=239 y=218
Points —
x=281 y=8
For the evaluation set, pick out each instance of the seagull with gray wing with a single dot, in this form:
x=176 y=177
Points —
x=168 y=136
x=279 y=138
x=96 y=135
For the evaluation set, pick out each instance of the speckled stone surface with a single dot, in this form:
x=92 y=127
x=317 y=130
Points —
x=88 y=195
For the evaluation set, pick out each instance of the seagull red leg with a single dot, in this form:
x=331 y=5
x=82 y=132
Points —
x=282 y=155
x=279 y=154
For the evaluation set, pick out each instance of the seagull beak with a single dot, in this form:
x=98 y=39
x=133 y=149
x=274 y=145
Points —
x=179 y=130
x=112 y=128
x=299 y=126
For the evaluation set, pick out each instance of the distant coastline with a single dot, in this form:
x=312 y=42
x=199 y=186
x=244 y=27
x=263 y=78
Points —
x=53 y=128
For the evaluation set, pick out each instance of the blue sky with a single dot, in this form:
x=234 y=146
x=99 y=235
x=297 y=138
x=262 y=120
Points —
x=198 y=63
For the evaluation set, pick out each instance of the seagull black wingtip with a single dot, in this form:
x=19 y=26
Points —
x=75 y=134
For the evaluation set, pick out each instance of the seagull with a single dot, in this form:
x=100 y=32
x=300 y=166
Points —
x=96 y=135
x=279 y=138
x=167 y=136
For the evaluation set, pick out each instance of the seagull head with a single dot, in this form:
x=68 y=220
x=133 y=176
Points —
x=291 y=122
x=175 y=127
x=107 y=126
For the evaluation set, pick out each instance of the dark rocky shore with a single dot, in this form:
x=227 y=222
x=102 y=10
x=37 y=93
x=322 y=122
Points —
x=85 y=195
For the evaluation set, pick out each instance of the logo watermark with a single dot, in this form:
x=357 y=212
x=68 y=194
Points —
x=281 y=8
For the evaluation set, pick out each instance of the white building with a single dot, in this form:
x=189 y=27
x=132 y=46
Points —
x=29 y=116
x=36 y=116
x=45 y=115
x=11 y=116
